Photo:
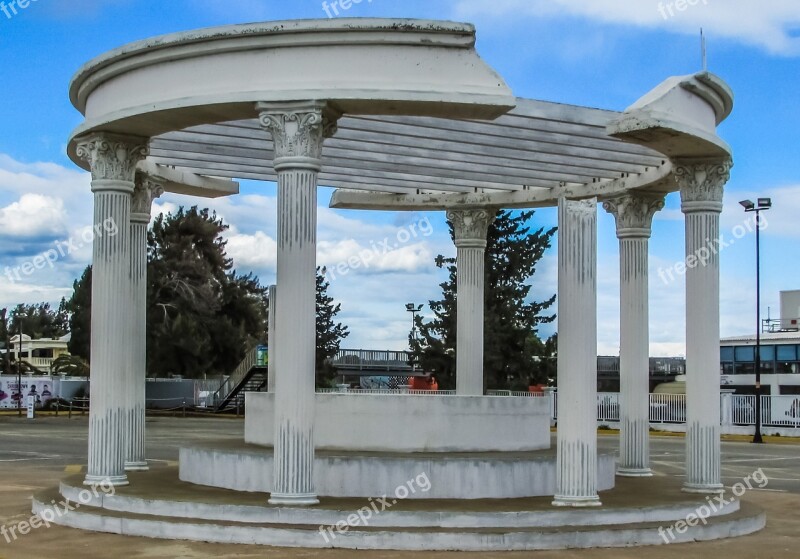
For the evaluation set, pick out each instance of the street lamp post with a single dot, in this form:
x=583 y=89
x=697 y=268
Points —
x=19 y=363
x=413 y=309
x=762 y=205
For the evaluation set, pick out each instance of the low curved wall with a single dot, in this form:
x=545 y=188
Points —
x=240 y=467
x=413 y=423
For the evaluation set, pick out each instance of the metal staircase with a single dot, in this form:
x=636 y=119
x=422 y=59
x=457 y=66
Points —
x=249 y=376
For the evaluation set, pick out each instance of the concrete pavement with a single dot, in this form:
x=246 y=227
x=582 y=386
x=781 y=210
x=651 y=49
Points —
x=35 y=455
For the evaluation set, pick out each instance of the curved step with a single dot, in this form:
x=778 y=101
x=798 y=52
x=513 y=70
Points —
x=438 y=514
x=747 y=520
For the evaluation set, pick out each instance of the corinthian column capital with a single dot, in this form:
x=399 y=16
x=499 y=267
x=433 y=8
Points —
x=471 y=226
x=702 y=183
x=146 y=190
x=634 y=212
x=298 y=131
x=112 y=157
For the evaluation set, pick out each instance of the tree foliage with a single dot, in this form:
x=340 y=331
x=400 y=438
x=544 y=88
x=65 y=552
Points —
x=511 y=317
x=40 y=320
x=329 y=332
x=79 y=307
x=5 y=337
x=201 y=316
x=71 y=365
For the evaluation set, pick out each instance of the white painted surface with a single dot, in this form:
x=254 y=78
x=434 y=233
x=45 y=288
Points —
x=368 y=66
x=409 y=423
x=145 y=191
x=702 y=185
x=432 y=515
x=297 y=133
x=451 y=476
x=272 y=345
x=288 y=535
x=470 y=228
x=113 y=163
x=634 y=215
x=577 y=354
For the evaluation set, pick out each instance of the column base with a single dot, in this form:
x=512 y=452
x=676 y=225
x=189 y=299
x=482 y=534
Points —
x=634 y=472
x=137 y=466
x=301 y=500
x=577 y=502
x=705 y=488
x=116 y=481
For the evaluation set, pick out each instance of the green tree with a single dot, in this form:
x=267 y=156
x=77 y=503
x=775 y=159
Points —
x=329 y=332
x=5 y=340
x=40 y=320
x=79 y=308
x=70 y=365
x=511 y=318
x=202 y=317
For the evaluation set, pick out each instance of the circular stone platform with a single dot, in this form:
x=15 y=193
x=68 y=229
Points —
x=158 y=505
x=452 y=475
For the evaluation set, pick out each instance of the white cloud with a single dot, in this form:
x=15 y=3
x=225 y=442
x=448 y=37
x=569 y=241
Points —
x=256 y=252
x=781 y=220
x=33 y=216
x=771 y=25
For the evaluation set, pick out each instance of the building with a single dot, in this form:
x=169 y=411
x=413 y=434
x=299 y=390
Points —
x=780 y=354
x=39 y=353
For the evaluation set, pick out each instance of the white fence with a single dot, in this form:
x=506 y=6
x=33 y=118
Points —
x=735 y=409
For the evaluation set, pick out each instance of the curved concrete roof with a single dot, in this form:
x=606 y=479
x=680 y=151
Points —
x=361 y=66
x=425 y=121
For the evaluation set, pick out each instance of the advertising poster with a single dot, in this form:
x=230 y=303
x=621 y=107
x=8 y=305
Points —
x=39 y=387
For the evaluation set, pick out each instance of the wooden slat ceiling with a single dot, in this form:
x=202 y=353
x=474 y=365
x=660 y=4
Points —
x=537 y=145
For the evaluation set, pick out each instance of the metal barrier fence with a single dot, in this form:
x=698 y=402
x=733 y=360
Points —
x=386 y=391
x=735 y=409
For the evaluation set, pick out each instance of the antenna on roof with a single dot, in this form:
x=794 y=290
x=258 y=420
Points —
x=703 y=52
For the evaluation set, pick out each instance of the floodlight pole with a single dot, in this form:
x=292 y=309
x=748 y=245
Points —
x=757 y=439
x=19 y=364
x=757 y=208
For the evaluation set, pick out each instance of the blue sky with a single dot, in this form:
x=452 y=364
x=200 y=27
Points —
x=602 y=53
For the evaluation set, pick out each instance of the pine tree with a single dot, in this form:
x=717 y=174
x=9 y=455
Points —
x=201 y=316
x=5 y=367
x=79 y=307
x=329 y=332
x=511 y=318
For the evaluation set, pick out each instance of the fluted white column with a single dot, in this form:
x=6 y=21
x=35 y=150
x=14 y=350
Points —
x=271 y=344
x=576 y=470
x=146 y=190
x=702 y=184
x=634 y=216
x=113 y=164
x=297 y=132
x=470 y=228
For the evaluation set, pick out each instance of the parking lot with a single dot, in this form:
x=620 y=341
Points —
x=36 y=454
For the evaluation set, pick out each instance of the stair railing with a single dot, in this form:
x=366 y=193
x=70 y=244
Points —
x=229 y=384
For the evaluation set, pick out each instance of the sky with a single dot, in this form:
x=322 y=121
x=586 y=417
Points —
x=599 y=53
